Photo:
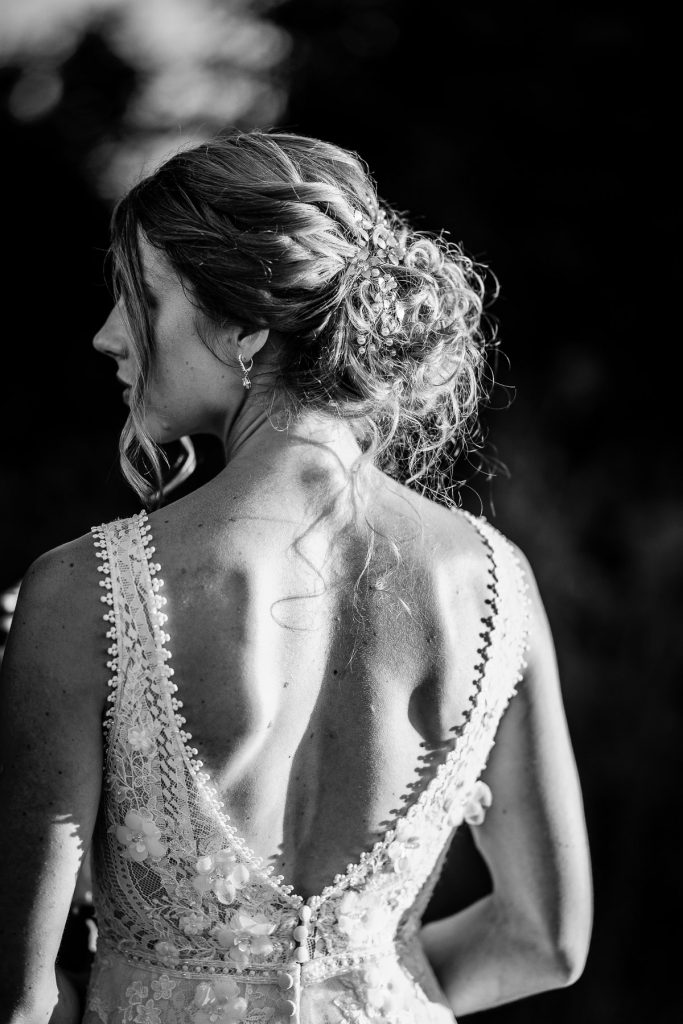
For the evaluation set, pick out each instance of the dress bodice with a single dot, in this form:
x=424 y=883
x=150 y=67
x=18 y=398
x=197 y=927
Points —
x=193 y=927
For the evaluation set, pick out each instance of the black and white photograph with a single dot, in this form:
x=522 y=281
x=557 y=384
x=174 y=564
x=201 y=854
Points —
x=341 y=518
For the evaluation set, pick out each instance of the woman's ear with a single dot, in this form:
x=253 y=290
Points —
x=234 y=341
x=249 y=341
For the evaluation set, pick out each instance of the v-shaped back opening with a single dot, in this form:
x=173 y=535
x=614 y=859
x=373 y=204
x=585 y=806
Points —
x=158 y=642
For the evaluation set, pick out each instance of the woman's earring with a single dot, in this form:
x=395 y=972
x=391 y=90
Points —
x=246 y=383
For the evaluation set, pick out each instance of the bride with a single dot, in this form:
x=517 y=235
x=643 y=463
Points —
x=267 y=818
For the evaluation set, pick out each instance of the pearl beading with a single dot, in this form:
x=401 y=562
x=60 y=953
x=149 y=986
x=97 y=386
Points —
x=322 y=967
x=113 y=664
x=313 y=970
x=259 y=974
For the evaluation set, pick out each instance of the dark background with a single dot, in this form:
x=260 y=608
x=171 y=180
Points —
x=543 y=138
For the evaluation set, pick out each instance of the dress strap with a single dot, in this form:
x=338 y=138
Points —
x=130 y=601
x=504 y=635
x=511 y=632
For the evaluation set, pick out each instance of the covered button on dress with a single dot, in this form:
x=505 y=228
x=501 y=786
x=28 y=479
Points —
x=193 y=927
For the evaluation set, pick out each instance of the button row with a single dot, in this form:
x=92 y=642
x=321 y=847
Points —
x=301 y=933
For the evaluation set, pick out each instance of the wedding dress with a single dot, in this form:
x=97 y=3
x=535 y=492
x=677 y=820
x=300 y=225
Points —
x=193 y=928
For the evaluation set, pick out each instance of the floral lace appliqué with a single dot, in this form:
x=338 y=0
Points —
x=140 y=836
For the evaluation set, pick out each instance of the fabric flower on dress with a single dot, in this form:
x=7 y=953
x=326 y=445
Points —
x=221 y=874
x=407 y=832
x=254 y=924
x=167 y=952
x=140 y=836
x=470 y=807
x=219 y=1002
x=362 y=912
x=398 y=849
x=244 y=934
x=194 y=923
x=381 y=995
x=142 y=737
x=477 y=802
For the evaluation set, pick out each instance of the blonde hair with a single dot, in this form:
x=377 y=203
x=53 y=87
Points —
x=262 y=228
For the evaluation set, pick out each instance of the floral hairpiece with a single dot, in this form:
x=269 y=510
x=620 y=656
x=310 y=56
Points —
x=383 y=312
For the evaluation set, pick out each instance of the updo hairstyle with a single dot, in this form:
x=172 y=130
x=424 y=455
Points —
x=263 y=229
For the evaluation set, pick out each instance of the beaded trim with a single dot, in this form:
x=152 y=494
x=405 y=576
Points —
x=317 y=969
x=522 y=591
x=101 y=544
x=260 y=974
x=488 y=622
x=323 y=967
x=369 y=860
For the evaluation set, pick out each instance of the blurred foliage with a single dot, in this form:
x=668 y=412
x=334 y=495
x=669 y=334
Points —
x=130 y=82
x=541 y=137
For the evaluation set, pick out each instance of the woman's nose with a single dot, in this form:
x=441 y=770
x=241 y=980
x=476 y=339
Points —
x=112 y=339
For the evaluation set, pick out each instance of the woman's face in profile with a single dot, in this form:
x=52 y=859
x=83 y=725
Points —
x=190 y=390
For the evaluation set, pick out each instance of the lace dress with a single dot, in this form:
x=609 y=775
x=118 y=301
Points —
x=193 y=927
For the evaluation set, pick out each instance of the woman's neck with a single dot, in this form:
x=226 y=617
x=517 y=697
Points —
x=257 y=438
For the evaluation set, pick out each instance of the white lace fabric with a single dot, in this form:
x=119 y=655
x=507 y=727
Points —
x=193 y=927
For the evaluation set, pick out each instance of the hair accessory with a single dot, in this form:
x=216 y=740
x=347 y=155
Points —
x=378 y=286
x=246 y=383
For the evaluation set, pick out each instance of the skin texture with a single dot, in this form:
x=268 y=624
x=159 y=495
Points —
x=312 y=722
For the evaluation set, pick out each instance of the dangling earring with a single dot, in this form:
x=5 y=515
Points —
x=246 y=383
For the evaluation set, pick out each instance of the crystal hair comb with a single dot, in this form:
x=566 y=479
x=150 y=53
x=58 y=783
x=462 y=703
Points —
x=383 y=311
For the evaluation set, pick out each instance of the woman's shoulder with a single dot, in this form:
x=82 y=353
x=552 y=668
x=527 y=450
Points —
x=458 y=535
x=56 y=629
x=68 y=574
x=62 y=573
x=468 y=557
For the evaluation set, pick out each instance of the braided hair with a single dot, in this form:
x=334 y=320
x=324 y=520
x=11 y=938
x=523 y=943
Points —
x=279 y=230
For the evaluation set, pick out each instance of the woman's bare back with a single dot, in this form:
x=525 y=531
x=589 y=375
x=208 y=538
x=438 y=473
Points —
x=318 y=722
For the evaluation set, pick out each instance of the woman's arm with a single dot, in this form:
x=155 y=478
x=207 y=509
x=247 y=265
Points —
x=532 y=932
x=52 y=693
